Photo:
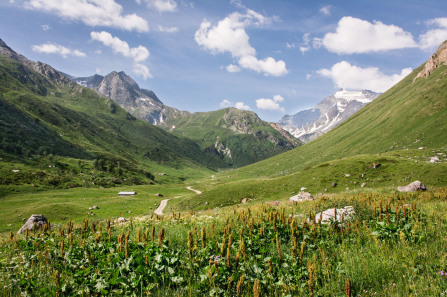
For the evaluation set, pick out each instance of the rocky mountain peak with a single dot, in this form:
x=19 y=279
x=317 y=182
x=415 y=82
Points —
x=331 y=111
x=437 y=59
x=43 y=69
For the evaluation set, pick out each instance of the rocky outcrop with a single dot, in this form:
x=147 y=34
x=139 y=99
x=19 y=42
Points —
x=413 y=187
x=309 y=124
x=284 y=133
x=34 y=221
x=335 y=214
x=301 y=197
x=140 y=103
x=45 y=70
x=437 y=59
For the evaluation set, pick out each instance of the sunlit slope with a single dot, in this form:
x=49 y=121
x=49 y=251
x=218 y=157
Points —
x=408 y=116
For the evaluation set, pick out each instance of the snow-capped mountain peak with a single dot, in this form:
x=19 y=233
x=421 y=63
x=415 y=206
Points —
x=331 y=111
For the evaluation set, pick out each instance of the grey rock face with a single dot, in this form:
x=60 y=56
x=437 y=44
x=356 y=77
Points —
x=335 y=214
x=36 y=219
x=123 y=90
x=311 y=123
x=413 y=187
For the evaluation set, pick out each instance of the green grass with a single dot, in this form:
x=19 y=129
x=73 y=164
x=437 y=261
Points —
x=380 y=253
x=407 y=116
x=73 y=204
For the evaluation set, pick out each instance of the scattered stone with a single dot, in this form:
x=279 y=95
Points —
x=335 y=214
x=363 y=185
x=23 y=219
x=93 y=214
x=19 y=215
x=347 y=175
x=244 y=200
x=376 y=165
x=63 y=218
x=334 y=185
x=129 y=211
x=15 y=170
x=206 y=203
x=159 y=195
x=434 y=159
x=303 y=189
x=413 y=187
x=121 y=220
x=421 y=148
x=93 y=207
x=301 y=196
x=36 y=219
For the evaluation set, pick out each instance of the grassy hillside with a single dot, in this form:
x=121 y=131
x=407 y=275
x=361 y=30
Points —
x=408 y=116
x=239 y=137
x=41 y=118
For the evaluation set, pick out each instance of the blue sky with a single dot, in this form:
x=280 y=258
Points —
x=272 y=57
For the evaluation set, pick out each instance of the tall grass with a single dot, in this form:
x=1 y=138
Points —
x=395 y=246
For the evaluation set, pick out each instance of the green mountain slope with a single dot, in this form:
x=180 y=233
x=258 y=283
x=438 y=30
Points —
x=410 y=115
x=239 y=137
x=401 y=130
x=43 y=114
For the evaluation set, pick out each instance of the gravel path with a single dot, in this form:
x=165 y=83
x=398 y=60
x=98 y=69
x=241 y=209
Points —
x=159 y=210
x=191 y=189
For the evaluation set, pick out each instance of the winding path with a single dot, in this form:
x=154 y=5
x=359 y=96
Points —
x=191 y=189
x=159 y=210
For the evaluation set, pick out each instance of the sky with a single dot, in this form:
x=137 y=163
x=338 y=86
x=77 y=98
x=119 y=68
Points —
x=271 y=57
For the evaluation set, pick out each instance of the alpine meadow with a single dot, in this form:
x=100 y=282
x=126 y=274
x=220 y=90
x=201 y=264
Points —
x=107 y=189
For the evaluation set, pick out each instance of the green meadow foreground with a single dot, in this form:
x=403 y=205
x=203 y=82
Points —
x=395 y=245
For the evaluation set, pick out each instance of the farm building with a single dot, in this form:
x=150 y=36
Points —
x=127 y=193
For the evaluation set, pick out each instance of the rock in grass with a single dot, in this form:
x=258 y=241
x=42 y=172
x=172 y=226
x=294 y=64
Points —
x=333 y=214
x=121 y=220
x=413 y=187
x=93 y=207
x=434 y=159
x=37 y=220
x=301 y=196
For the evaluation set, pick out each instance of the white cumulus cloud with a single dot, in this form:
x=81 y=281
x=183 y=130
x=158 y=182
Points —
x=434 y=37
x=163 y=5
x=270 y=104
x=229 y=35
x=239 y=105
x=233 y=68
x=347 y=76
x=141 y=70
x=105 y=13
x=225 y=103
x=167 y=29
x=138 y=54
x=54 y=48
x=326 y=10
x=242 y=106
x=354 y=35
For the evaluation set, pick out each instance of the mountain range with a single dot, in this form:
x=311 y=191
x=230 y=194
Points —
x=311 y=123
x=238 y=137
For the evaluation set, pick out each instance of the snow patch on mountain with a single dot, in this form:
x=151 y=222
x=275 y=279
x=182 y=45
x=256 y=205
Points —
x=310 y=123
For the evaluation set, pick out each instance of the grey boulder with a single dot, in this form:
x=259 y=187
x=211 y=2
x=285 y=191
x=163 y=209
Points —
x=37 y=220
